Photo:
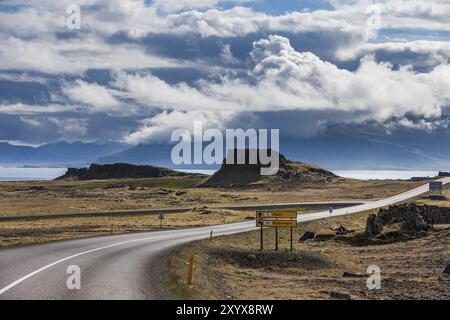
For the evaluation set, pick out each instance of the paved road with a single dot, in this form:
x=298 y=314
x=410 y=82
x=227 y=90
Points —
x=122 y=266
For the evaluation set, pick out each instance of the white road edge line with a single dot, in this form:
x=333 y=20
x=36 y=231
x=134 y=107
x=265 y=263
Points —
x=18 y=281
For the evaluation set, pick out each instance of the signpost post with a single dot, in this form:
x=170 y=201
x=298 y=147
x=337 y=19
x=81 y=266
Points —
x=276 y=238
x=276 y=219
x=161 y=218
x=262 y=238
x=292 y=239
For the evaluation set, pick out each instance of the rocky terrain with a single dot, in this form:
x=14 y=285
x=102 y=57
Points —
x=119 y=171
x=249 y=175
x=290 y=173
x=331 y=260
x=397 y=223
x=413 y=220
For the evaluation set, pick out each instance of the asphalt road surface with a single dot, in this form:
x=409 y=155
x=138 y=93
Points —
x=126 y=266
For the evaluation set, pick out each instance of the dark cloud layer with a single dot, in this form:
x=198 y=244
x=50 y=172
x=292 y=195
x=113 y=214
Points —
x=138 y=69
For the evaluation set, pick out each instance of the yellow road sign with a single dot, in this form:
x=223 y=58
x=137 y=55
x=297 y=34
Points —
x=276 y=223
x=276 y=215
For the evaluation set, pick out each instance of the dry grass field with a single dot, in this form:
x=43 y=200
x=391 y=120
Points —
x=223 y=269
x=43 y=230
x=232 y=267
x=53 y=197
x=441 y=203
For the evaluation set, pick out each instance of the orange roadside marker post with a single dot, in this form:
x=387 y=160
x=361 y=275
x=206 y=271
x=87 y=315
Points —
x=190 y=270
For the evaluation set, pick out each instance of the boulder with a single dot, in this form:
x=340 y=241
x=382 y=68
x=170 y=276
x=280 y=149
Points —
x=374 y=226
x=415 y=223
x=347 y=274
x=400 y=213
x=324 y=237
x=447 y=269
x=308 y=235
x=36 y=188
x=342 y=231
x=251 y=257
x=340 y=295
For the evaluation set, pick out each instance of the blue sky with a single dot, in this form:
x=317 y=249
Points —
x=275 y=7
x=139 y=69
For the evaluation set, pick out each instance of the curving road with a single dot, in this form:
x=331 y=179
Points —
x=122 y=266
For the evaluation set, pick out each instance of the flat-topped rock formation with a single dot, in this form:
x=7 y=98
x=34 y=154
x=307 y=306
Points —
x=290 y=173
x=120 y=171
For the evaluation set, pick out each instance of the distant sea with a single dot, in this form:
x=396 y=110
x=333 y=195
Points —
x=32 y=174
x=384 y=174
x=363 y=174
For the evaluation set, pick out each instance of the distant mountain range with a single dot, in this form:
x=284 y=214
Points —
x=157 y=154
x=56 y=154
x=362 y=150
x=365 y=151
x=357 y=149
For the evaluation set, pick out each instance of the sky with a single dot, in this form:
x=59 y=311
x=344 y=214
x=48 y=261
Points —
x=136 y=70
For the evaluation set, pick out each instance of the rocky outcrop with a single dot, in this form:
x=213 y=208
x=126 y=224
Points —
x=447 y=269
x=348 y=274
x=374 y=226
x=324 y=237
x=415 y=223
x=308 y=235
x=119 y=171
x=400 y=213
x=415 y=220
x=340 y=295
x=443 y=174
x=341 y=231
x=289 y=173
